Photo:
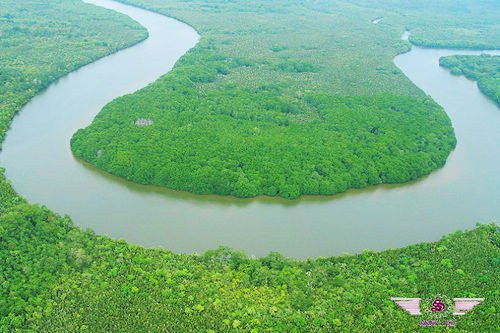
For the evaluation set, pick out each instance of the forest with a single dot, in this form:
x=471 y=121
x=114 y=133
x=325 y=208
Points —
x=37 y=49
x=485 y=69
x=42 y=41
x=454 y=24
x=307 y=103
x=56 y=277
x=245 y=118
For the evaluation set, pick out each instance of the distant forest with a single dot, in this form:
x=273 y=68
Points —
x=485 y=69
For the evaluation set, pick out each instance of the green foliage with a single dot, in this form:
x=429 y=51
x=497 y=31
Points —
x=485 y=69
x=43 y=40
x=279 y=48
x=57 y=278
x=458 y=24
x=245 y=143
x=279 y=105
x=8 y=197
x=40 y=41
x=32 y=259
x=294 y=66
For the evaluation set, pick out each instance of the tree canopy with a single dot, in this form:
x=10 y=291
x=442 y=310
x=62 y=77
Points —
x=485 y=69
x=285 y=98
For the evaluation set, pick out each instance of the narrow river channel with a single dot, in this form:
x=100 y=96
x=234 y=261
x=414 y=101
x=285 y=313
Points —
x=39 y=162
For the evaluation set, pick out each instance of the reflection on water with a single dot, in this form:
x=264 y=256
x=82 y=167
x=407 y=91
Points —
x=38 y=160
x=229 y=200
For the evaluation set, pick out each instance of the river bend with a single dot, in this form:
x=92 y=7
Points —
x=37 y=158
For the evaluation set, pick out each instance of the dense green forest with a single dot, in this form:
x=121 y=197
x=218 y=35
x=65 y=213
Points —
x=485 y=69
x=285 y=98
x=40 y=41
x=55 y=277
x=457 y=24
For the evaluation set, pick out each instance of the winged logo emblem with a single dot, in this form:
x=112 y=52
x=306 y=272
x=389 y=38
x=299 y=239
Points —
x=461 y=305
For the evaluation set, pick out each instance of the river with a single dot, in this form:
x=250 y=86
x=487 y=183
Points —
x=38 y=160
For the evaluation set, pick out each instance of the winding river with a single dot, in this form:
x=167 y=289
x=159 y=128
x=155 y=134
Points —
x=38 y=160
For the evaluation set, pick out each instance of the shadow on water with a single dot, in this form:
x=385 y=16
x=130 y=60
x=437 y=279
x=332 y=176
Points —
x=235 y=201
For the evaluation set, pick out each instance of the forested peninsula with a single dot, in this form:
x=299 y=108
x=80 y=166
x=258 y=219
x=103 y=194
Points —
x=485 y=69
x=279 y=99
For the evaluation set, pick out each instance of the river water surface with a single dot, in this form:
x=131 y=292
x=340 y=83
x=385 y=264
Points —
x=38 y=160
